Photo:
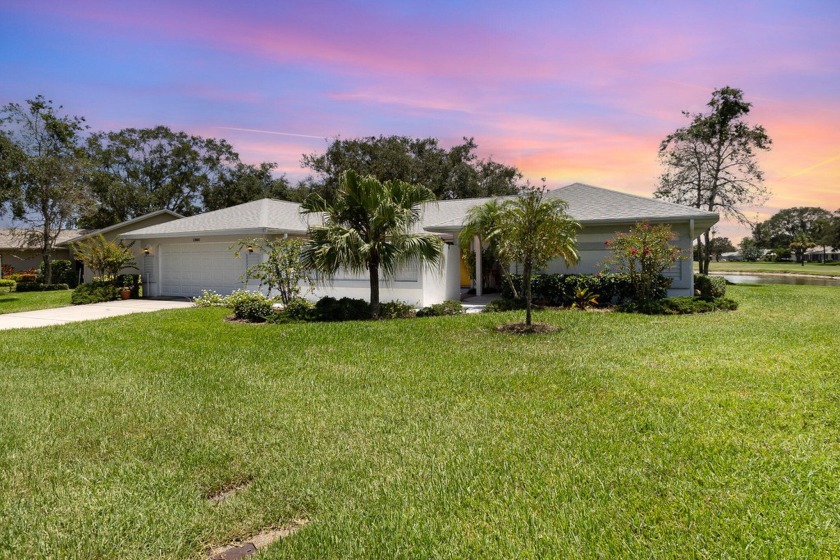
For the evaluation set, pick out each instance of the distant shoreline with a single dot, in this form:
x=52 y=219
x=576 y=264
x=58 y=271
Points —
x=750 y=273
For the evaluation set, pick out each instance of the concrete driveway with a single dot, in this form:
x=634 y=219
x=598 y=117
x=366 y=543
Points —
x=74 y=313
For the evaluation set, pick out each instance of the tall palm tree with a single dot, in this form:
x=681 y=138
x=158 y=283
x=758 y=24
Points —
x=368 y=227
x=533 y=230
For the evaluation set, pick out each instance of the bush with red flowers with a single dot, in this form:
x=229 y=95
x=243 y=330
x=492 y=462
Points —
x=644 y=253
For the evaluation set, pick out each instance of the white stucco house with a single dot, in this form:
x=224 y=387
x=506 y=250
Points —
x=184 y=256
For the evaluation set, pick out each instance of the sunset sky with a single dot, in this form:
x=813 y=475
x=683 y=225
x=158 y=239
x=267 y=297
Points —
x=570 y=91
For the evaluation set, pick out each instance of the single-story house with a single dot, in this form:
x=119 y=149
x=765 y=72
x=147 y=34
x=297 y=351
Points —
x=113 y=232
x=822 y=253
x=184 y=256
x=20 y=252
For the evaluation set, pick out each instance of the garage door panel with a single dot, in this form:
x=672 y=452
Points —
x=189 y=268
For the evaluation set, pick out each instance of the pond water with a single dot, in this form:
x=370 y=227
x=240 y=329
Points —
x=798 y=280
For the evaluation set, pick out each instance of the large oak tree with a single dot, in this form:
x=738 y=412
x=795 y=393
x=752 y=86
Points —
x=454 y=173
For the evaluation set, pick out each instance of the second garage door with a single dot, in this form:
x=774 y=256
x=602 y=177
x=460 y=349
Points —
x=188 y=268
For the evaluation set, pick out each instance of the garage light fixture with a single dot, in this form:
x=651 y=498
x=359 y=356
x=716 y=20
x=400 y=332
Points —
x=250 y=248
x=147 y=250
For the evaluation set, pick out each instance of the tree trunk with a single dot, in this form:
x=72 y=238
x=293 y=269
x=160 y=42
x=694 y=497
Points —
x=374 y=289
x=45 y=256
x=526 y=288
x=704 y=266
x=700 y=253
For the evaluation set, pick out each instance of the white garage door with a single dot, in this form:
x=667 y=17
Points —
x=189 y=268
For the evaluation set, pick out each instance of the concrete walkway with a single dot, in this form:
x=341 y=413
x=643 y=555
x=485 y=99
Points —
x=74 y=313
x=476 y=304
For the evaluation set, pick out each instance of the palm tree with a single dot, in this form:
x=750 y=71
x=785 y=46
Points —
x=482 y=222
x=368 y=227
x=533 y=230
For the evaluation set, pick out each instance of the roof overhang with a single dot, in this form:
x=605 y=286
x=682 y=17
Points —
x=701 y=223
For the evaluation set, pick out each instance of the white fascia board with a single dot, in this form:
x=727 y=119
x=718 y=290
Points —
x=208 y=233
x=700 y=221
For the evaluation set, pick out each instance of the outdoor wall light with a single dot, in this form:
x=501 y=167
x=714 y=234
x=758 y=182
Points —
x=250 y=248
x=146 y=250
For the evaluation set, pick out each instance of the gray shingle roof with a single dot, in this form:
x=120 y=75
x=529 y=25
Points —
x=17 y=238
x=84 y=234
x=587 y=204
x=596 y=204
x=260 y=216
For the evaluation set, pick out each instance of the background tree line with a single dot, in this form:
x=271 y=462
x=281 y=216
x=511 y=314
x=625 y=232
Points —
x=56 y=175
x=792 y=231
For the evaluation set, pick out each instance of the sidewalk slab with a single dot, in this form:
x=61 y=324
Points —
x=90 y=312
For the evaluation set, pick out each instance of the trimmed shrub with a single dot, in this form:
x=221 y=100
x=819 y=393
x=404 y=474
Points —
x=94 y=293
x=396 y=310
x=54 y=287
x=255 y=307
x=7 y=285
x=710 y=286
x=685 y=305
x=558 y=290
x=209 y=298
x=236 y=296
x=344 y=309
x=299 y=309
x=448 y=307
x=28 y=287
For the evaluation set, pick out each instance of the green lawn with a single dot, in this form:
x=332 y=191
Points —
x=785 y=268
x=618 y=436
x=12 y=302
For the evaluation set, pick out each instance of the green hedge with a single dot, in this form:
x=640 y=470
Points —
x=38 y=287
x=396 y=310
x=558 y=290
x=710 y=286
x=94 y=292
x=7 y=285
x=344 y=309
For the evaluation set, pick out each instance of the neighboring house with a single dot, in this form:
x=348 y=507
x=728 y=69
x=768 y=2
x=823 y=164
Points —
x=183 y=257
x=822 y=253
x=111 y=233
x=20 y=252
x=731 y=256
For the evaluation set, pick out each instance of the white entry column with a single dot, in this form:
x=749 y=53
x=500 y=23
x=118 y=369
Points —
x=478 y=266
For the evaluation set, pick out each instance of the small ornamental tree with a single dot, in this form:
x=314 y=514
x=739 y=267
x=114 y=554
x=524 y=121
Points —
x=644 y=253
x=104 y=258
x=281 y=270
